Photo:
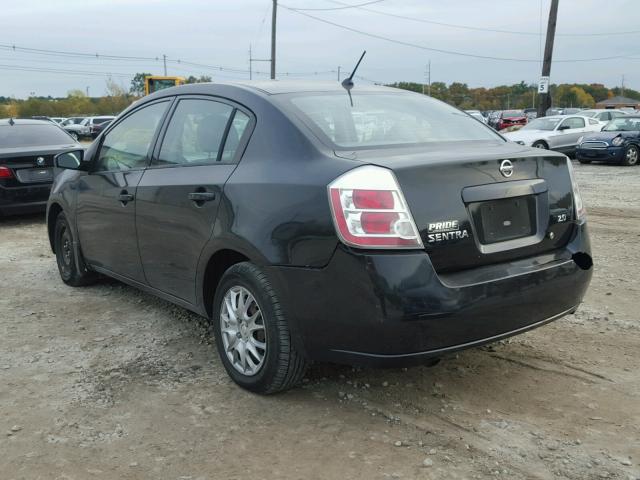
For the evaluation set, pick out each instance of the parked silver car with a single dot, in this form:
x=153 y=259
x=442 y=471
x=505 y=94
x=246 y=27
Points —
x=560 y=132
x=603 y=116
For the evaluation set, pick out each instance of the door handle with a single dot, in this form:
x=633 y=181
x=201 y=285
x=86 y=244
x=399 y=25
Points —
x=125 y=197
x=202 y=196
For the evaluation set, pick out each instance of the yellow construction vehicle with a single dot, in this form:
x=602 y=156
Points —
x=153 y=83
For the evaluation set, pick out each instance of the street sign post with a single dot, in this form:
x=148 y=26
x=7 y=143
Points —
x=543 y=85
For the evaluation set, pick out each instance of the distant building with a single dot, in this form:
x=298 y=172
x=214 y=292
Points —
x=619 y=102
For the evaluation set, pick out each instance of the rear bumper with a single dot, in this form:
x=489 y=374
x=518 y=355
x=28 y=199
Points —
x=394 y=309
x=609 y=154
x=27 y=199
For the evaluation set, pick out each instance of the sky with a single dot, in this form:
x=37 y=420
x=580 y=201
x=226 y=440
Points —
x=218 y=33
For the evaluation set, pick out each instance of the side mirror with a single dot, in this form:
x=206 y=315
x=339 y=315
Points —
x=564 y=127
x=70 y=160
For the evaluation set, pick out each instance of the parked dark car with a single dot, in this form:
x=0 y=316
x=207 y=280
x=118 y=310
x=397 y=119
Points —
x=386 y=232
x=618 y=142
x=96 y=129
x=510 y=118
x=27 y=148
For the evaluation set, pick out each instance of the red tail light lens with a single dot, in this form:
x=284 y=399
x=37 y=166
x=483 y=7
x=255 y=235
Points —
x=373 y=199
x=369 y=210
x=5 y=172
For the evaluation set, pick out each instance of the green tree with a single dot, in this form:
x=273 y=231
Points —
x=201 y=79
x=137 y=84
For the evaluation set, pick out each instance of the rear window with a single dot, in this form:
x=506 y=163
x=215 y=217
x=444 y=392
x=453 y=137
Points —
x=32 y=135
x=387 y=119
x=512 y=113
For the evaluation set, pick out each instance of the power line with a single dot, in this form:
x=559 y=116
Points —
x=478 y=29
x=344 y=7
x=24 y=68
x=439 y=50
x=158 y=60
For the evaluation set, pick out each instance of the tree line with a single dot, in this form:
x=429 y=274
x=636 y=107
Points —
x=77 y=103
x=517 y=96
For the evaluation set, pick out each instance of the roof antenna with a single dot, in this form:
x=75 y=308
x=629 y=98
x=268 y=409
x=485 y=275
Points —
x=347 y=83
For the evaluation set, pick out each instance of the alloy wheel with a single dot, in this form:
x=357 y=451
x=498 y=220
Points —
x=632 y=156
x=244 y=336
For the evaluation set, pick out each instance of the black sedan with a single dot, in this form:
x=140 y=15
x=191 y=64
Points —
x=373 y=226
x=27 y=148
x=618 y=142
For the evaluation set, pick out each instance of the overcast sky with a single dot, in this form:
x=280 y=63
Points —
x=218 y=33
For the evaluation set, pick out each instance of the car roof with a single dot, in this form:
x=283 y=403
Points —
x=24 y=121
x=561 y=117
x=274 y=87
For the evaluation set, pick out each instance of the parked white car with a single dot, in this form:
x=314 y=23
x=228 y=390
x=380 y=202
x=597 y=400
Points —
x=84 y=128
x=559 y=132
x=477 y=115
x=603 y=116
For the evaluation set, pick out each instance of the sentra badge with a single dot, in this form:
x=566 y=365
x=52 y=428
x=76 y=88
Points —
x=446 y=230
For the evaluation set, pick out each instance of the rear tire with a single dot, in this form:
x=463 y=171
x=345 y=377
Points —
x=66 y=256
x=583 y=161
x=272 y=363
x=540 y=144
x=631 y=156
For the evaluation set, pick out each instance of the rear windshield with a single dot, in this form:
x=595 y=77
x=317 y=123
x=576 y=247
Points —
x=512 y=113
x=12 y=136
x=545 y=123
x=387 y=119
x=622 y=124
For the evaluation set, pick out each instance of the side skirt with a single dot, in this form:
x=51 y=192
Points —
x=153 y=291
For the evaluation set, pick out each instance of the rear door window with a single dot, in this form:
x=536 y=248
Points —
x=197 y=131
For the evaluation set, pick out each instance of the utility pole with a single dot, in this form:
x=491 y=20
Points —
x=273 y=39
x=622 y=87
x=545 y=98
x=427 y=78
x=87 y=88
x=164 y=59
x=338 y=72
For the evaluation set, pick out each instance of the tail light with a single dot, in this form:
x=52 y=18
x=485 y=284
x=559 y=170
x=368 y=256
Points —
x=5 y=172
x=581 y=212
x=369 y=210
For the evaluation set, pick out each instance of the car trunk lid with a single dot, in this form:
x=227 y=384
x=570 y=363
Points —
x=29 y=166
x=469 y=212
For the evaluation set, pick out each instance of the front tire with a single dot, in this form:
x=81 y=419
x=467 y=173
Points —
x=631 y=156
x=252 y=332
x=66 y=256
x=540 y=144
x=583 y=161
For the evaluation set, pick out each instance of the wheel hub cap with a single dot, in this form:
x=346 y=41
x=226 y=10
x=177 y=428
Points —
x=243 y=331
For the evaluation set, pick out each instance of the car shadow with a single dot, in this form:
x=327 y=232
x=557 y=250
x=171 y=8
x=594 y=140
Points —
x=22 y=220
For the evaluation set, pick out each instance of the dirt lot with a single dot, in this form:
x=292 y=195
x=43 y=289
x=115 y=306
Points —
x=108 y=382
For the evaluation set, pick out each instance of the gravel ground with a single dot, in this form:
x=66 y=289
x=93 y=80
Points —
x=108 y=382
